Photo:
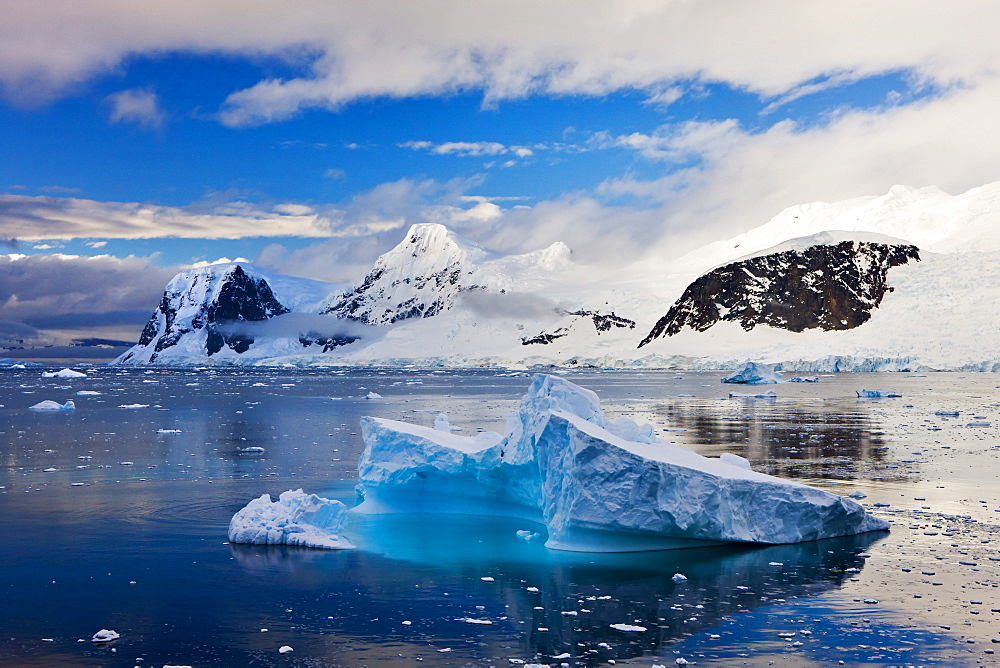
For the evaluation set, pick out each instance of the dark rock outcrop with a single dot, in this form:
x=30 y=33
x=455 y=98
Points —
x=829 y=287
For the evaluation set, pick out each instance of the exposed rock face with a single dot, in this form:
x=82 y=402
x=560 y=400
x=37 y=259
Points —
x=829 y=287
x=603 y=322
x=210 y=298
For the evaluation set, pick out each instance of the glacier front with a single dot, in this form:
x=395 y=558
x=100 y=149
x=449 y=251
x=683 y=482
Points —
x=597 y=485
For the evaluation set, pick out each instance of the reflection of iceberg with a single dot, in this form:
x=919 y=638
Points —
x=754 y=374
x=597 y=485
x=296 y=518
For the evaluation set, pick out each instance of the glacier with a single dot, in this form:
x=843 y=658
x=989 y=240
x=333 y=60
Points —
x=596 y=485
x=753 y=374
x=296 y=518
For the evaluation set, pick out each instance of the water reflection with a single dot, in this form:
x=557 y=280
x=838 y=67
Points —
x=551 y=604
x=784 y=437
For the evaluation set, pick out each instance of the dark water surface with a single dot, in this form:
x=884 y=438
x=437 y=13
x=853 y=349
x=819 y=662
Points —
x=116 y=518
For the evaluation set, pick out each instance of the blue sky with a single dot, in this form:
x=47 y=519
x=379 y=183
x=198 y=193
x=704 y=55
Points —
x=140 y=140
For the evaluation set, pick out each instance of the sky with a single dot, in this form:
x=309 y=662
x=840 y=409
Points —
x=139 y=139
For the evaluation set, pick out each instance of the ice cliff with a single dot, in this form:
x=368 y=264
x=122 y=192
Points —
x=597 y=485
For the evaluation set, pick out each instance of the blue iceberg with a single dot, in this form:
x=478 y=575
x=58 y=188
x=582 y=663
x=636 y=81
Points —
x=597 y=485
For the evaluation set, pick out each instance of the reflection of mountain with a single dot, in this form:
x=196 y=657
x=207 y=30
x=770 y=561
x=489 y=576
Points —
x=783 y=439
x=439 y=582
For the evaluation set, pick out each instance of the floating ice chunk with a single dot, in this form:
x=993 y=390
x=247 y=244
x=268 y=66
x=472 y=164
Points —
x=979 y=423
x=285 y=649
x=105 y=635
x=65 y=373
x=373 y=395
x=134 y=406
x=296 y=518
x=49 y=405
x=252 y=449
x=441 y=423
x=770 y=394
x=877 y=394
x=168 y=431
x=526 y=535
x=628 y=627
x=597 y=485
x=944 y=413
x=804 y=379
x=754 y=374
x=679 y=577
x=473 y=620
x=857 y=494
x=88 y=393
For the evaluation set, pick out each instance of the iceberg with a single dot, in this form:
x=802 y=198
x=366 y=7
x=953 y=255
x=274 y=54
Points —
x=296 y=518
x=49 y=405
x=597 y=485
x=65 y=373
x=754 y=374
x=877 y=394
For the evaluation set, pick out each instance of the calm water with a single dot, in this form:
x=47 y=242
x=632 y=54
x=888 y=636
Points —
x=116 y=518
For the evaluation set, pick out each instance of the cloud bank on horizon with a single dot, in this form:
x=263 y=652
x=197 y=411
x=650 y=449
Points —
x=314 y=133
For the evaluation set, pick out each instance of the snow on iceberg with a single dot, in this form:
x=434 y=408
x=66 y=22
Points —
x=65 y=373
x=597 y=485
x=296 y=518
x=754 y=374
x=49 y=405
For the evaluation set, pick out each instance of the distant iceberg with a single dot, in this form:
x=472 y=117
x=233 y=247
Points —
x=49 y=405
x=597 y=485
x=877 y=394
x=296 y=518
x=754 y=374
x=65 y=373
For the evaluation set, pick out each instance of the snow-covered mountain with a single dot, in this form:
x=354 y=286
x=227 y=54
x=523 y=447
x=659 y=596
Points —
x=909 y=279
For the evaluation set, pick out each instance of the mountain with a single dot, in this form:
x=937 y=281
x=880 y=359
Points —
x=906 y=280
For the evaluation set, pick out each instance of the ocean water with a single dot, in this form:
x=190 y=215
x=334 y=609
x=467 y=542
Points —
x=115 y=515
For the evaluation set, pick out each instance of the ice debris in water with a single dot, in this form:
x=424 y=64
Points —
x=105 y=635
x=526 y=535
x=49 y=405
x=285 y=649
x=877 y=394
x=598 y=485
x=804 y=379
x=754 y=374
x=373 y=395
x=296 y=518
x=679 y=577
x=65 y=373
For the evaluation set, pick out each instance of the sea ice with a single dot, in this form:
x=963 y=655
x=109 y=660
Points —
x=296 y=518
x=65 y=373
x=804 y=379
x=877 y=394
x=49 y=405
x=105 y=635
x=597 y=485
x=754 y=374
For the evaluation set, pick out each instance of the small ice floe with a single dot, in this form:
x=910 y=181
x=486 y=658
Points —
x=105 y=636
x=88 y=393
x=50 y=470
x=858 y=495
x=944 y=413
x=373 y=395
x=49 y=405
x=473 y=620
x=252 y=450
x=65 y=373
x=168 y=431
x=877 y=394
x=679 y=577
x=628 y=627
x=754 y=374
x=978 y=423
x=526 y=535
x=296 y=518
x=285 y=649
x=804 y=379
x=770 y=394
x=133 y=406
x=487 y=578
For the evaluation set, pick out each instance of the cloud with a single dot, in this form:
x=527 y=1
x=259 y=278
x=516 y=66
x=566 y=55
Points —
x=467 y=149
x=136 y=106
x=37 y=218
x=383 y=48
x=66 y=295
